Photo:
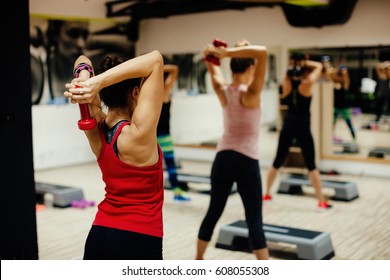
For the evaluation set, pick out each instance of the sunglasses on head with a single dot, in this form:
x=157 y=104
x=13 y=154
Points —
x=75 y=33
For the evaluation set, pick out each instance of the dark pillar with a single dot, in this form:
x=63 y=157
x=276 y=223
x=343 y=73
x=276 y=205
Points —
x=18 y=217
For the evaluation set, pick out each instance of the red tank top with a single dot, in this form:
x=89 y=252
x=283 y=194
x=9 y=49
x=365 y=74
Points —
x=134 y=195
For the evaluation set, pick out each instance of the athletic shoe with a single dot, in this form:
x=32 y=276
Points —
x=330 y=172
x=323 y=206
x=40 y=207
x=374 y=126
x=181 y=198
x=267 y=197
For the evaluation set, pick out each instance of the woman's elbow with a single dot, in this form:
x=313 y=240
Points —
x=158 y=57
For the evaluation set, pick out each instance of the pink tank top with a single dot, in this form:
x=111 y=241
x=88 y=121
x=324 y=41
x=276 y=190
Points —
x=241 y=125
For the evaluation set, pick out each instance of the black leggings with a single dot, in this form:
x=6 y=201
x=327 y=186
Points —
x=105 y=243
x=382 y=106
x=346 y=114
x=296 y=127
x=229 y=167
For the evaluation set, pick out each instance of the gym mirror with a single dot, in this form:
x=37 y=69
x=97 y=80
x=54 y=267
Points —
x=366 y=112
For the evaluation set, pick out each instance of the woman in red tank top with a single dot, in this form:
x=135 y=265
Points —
x=128 y=224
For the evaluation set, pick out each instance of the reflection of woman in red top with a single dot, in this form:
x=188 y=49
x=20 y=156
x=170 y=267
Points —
x=129 y=222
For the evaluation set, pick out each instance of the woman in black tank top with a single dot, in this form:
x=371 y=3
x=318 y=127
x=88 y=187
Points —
x=300 y=77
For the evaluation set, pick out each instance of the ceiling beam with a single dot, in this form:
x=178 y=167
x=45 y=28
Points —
x=143 y=9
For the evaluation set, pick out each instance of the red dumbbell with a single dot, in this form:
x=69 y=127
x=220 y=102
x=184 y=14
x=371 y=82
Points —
x=86 y=122
x=212 y=59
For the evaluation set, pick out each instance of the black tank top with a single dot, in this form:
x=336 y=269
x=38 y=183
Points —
x=383 y=87
x=340 y=98
x=296 y=102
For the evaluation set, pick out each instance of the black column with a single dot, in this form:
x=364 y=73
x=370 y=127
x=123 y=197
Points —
x=18 y=217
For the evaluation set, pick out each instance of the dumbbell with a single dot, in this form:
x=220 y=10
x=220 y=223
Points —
x=86 y=122
x=83 y=203
x=211 y=58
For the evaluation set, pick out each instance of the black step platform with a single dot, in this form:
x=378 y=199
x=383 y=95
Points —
x=311 y=245
x=62 y=196
x=379 y=152
x=344 y=191
x=350 y=148
x=347 y=148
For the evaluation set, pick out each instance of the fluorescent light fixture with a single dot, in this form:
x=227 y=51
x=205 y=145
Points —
x=307 y=3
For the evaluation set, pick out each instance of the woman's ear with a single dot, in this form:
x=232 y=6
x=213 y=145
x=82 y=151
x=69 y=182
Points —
x=135 y=93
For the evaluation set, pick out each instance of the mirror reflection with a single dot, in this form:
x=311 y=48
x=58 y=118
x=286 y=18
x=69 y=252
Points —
x=360 y=79
x=358 y=85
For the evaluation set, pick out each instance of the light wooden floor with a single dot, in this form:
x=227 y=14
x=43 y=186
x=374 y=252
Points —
x=367 y=139
x=360 y=229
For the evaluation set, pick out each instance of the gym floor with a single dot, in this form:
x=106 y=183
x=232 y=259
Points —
x=359 y=229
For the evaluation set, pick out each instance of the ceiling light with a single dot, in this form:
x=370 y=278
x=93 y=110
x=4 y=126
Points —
x=307 y=3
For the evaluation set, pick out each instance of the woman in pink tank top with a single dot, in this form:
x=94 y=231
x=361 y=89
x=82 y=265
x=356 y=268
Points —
x=236 y=160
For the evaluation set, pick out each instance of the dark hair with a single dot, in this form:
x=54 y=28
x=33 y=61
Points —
x=295 y=71
x=117 y=95
x=340 y=70
x=297 y=56
x=240 y=64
